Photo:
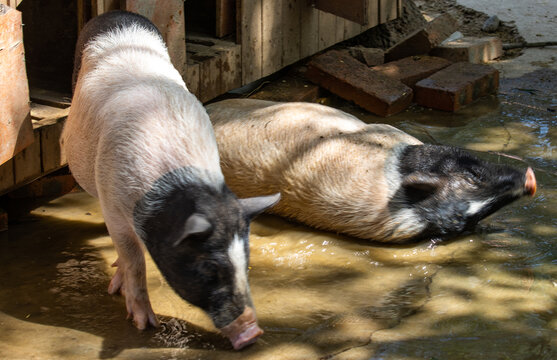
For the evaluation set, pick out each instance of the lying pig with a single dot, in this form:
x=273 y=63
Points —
x=137 y=139
x=370 y=181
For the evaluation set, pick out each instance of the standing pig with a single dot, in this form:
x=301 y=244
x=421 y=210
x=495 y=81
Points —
x=370 y=181
x=137 y=139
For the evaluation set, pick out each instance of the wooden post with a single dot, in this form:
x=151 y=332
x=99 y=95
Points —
x=16 y=132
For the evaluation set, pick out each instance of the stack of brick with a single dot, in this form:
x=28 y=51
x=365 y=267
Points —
x=409 y=73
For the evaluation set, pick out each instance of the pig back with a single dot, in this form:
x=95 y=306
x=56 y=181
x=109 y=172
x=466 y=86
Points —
x=328 y=165
x=133 y=120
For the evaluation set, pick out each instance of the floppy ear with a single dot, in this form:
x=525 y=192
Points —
x=196 y=224
x=256 y=205
x=419 y=186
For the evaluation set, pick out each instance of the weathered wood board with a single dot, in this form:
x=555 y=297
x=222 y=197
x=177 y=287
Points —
x=16 y=131
x=297 y=29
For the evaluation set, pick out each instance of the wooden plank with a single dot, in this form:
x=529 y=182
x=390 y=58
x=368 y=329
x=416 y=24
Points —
x=398 y=8
x=51 y=98
x=309 y=30
x=27 y=164
x=209 y=70
x=192 y=76
x=82 y=14
x=339 y=33
x=327 y=30
x=272 y=33
x=251 y=39
x=353 y=10
x=231 y=65
x=387 y=10
x=291 y=35
x=372 y=11
x=16 y=130
x=99 y=7
x=229 y=54
x=7 y=177
x=52 y=154
x=351 y=29
x=225 y=17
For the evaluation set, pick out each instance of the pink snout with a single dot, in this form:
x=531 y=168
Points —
x=244 y=330
x=530 y=182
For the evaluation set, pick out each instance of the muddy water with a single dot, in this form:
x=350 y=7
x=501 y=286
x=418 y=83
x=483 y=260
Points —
x=491 y=294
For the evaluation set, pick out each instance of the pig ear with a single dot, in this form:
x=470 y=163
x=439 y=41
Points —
x=196 y=224
x=256 y=205
x=425 y=183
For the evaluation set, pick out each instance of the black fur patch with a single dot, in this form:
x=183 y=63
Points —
x=461 y=178
x=199 y=269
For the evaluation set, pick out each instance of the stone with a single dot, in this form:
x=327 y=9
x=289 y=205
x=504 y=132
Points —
x=456 y=86
x=350 y=79
x=368 y=56
x=472 y=49
x=491 y=24
x=412 y=69
x=423 y=40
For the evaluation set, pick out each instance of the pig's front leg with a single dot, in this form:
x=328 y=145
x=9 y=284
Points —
x=130 y=277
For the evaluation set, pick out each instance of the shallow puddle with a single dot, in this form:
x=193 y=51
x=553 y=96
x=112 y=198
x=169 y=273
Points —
x=491 y=294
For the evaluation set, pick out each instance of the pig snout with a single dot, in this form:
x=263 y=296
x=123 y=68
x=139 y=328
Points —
x=530 y=185
x=244 y=330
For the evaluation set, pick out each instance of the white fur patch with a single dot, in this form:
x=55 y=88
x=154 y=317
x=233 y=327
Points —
x=409 y=224
x=238 y=257
x=475 y=206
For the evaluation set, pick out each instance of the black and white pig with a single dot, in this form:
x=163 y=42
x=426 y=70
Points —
x=374 y=181
x=137 y=139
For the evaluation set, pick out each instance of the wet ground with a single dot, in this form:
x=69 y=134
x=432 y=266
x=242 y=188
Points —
x=490 y=295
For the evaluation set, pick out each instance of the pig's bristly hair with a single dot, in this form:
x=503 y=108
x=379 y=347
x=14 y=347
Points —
x=131 y=100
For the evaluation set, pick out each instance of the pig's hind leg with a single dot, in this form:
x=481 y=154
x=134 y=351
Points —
x=130 y=276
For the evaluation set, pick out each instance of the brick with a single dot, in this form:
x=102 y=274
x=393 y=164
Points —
x=368 y=56
x=456 y=86
x=288 y=88
x=412 y=69
x=350 y=79
x=423 y=40
x=471 y=49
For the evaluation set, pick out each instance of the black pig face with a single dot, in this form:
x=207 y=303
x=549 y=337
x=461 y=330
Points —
x=197 y=234
x=449 y=190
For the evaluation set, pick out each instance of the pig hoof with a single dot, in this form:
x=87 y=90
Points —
x=142 y=314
